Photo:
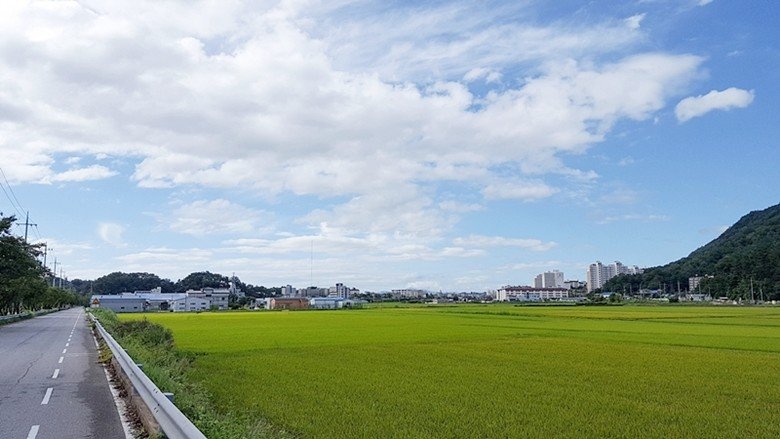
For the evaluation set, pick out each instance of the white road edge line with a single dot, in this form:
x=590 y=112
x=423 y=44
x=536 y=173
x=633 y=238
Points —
x=47 y=396
x=33 y=432
x=119 y=403
x=56 y=374
x=61 y=358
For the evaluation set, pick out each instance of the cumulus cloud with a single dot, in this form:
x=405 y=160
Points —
x=206 y=217
x=298 y=99
x=111 y=233
x=727 y=99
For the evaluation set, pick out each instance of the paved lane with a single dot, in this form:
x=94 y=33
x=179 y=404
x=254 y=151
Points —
x=51 y=385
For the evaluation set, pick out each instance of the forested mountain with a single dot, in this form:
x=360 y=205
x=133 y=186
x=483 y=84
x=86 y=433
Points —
x=747 y=251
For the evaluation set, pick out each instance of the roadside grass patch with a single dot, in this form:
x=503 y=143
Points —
x=153 y=345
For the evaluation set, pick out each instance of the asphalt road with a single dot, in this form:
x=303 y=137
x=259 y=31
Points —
x=51 y=385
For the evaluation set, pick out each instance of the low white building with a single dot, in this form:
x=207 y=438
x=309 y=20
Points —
x=210 y=297
x=532 y=294
x=333 y=303
x=409 y=293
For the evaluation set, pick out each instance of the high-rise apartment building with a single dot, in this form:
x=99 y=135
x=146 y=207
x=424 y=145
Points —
x=549 y=279
x=598 y=274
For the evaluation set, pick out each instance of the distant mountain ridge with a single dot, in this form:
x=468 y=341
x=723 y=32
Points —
x=748 y=250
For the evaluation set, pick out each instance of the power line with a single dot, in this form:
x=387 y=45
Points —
x=9 y=199
x=18 y=206
x=12 y=193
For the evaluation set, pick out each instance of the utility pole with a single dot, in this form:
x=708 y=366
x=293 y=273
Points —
x=27 y=224
x=45 y=252
x=54 y=272
x=752 y=297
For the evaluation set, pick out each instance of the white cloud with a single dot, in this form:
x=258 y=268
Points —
x=111 y=233
x=500 y=241
x=321 y=244
x=704 y=2
x=633 y=217
x=59 y=248
x=727 y=99
x=454 y=206
x=518 y=190
x=204 y=217
x=163 y=255
x=619 y=195
x=625 y=161
x=94 y=172
x=446 y=40
x=477 y=73
x=291 y=99
x=539 y=265
x=634 y=21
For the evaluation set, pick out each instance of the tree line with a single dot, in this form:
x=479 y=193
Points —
x=23 y=285
x=120 y=282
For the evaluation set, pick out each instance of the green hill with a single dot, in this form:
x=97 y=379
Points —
x=748 y=250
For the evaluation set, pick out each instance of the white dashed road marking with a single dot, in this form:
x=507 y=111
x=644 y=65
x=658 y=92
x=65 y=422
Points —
x=33 y=432
x=47 y=396
x=56 y=374
x=61 y=358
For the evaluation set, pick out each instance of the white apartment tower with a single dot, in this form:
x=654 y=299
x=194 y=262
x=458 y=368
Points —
x=549 y=279
x=598 y=274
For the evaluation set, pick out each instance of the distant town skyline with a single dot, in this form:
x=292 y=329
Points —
x=452 y=146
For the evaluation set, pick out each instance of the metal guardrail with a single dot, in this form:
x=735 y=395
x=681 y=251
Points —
x=172 y=421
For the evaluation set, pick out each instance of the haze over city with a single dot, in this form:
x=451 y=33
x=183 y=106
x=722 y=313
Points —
x=437 y=145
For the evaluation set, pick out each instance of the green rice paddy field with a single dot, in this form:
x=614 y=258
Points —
x=493 y=371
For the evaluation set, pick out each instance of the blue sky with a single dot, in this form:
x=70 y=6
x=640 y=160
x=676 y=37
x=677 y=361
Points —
x=441 y=145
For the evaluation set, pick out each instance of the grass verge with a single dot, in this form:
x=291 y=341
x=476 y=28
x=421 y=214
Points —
x=152 y=345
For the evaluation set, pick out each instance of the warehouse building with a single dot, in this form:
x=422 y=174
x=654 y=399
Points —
x=143 y=301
